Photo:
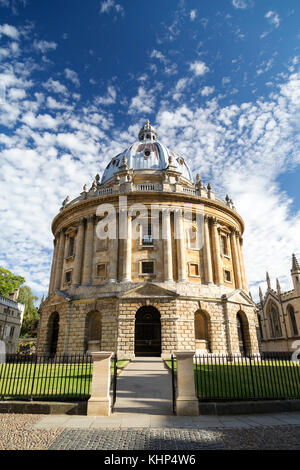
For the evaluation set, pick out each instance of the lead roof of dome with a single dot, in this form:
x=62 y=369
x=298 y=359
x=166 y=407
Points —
x=147 y=154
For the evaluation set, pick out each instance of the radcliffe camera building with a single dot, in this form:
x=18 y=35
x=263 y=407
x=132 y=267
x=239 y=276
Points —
x=148 y=295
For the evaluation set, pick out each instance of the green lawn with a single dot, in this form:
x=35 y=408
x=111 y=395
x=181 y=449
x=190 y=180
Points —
x=229 y=381
x=47 y=381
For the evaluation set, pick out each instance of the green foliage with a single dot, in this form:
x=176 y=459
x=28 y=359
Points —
x=31 y=315
x=9 y=282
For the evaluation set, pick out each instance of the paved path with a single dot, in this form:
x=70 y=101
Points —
x=145 y=386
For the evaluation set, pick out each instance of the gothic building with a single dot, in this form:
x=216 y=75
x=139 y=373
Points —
x=278 y=315
x=163 y=280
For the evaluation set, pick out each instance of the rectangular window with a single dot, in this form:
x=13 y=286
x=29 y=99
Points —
x=227 y=275
x=193 y=269
x=71 y=246
x=147 y=267
x=101 y=270
x=224 y=245
x=147 y=239
x=12 y=330
x=68 y=277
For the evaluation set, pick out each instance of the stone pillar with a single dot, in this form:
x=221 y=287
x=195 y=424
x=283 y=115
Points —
x=217 y=253
x=53 y=267
x=235 y=260
x=60 y=260
x=88 y=251
x=186 y=401
x=242 y=263
x=180 y=246
x=100 y=403
x=126 y=277
x=114 y=256
x=78 y=254
x=167 y=244
x=207 y=253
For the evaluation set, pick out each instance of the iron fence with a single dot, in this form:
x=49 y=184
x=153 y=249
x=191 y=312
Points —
x=46 y=377
x=113 y=384
x=246 y=378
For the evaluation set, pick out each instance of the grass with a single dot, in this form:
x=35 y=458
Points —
x=60 y=381
x=232 y=381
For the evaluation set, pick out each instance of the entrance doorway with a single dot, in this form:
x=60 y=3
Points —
x=241 y=335
x=147 y=332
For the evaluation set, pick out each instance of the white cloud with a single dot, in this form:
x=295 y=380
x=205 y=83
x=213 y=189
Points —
x=207 y=90
x=242 y=4
x=193 y=14
x=55 y=86
x=199 y=68
x=143 y=102
x=44 y=46
x=110 y=97
x=157 y=55
x=73 y=76
x=273 y=18
x=10 y=31
x=109 y=6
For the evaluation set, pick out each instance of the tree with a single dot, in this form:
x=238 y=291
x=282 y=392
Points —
x=31 y=315
x=9 y=282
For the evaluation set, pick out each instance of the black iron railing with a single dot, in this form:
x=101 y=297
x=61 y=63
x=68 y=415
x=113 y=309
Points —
x=246 y=378
x=46 y=377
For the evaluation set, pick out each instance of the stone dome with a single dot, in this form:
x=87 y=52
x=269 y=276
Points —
x=147 y=154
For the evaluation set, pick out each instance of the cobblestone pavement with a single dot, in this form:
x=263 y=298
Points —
x=261 y=438
x=17 y=433
x=29 y=432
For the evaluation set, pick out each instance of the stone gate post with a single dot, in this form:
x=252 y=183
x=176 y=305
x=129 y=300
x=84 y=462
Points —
x=100 y=402
x=186 y=401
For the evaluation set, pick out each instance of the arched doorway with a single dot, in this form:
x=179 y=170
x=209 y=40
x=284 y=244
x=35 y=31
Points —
x=147 y=332
x=202 y=331
x=53 y=330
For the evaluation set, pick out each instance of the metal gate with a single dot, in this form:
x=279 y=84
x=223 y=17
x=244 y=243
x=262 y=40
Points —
x=174 y=383
x=113 y=384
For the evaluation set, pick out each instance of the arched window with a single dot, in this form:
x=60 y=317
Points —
x=292 y=318
x=260 y=326
x=274 y=322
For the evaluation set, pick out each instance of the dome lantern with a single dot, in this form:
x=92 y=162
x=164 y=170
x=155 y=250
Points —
x=147 y=132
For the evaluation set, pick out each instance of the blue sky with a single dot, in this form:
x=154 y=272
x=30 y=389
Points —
x=219 y=80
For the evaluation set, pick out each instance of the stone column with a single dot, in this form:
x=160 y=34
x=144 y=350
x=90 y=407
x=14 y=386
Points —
x=127 y=252
x=180 y=246
x=167 y=244
x=242 y=263
x=100 y=403
x=53 y=267
x=114 y=255
x=60 y=260
x=235 y=260
x=78 y=254
x=217 y=253
x=88 y=251
x=186 y=401
x=207 y=253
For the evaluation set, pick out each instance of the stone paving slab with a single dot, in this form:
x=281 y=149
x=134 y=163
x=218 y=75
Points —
x=126 y=421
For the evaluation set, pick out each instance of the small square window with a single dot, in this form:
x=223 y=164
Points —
x=194 y=269
x=147 y=267
x=68 y=277
x=101 y=270
x=227 y=275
